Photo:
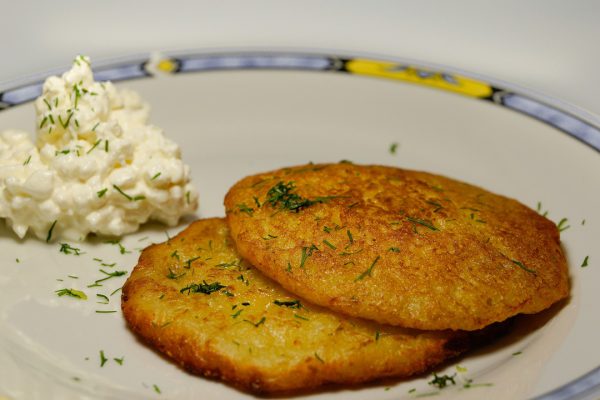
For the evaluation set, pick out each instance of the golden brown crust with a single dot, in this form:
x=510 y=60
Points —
x=399 y=247
x=296 y=346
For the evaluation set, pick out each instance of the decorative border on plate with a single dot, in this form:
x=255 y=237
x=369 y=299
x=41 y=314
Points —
x=409 y=72
x=563 y=120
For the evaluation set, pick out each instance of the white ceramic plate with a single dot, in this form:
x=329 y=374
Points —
x=240 y=113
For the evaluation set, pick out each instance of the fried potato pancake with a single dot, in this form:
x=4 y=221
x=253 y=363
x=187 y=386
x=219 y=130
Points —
x=196 y=301
x=396 y=246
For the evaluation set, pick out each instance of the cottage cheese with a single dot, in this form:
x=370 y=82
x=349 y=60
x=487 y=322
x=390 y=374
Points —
x=96 y=166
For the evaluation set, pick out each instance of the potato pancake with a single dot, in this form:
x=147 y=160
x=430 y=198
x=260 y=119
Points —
x=396 y=246
x=196 y=301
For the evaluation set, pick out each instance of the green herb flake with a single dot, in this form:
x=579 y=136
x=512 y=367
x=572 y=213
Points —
x=256 y=201
x=49 y=236
x=469 y=384
x=68 y=249
x=94 y=129
x=326 y=229
x=237 y=313
x=328 y=244
x=106 y=145
x=350 y=237
x=118 y=189
x=110 y=275
x=442 y=381
x=257 y=324
x=155 y=176
x=393 y=148
x=102 y=192
x=173 y=275
x=288 y=303
x=585 y=262
x=563 y=225
x=245 y=209
x=307 y=252
x=377 y=336
x=94 y=146
x=119 y=360
x=281 y=196
x=517 y=353
x=318 y=358
x=368 y=271
x=105 y=311
x=523 y=267
x=270 y=237
x=71 y=293
x=103 y=297
x=394 y=249
x=425 y=223
x=156 y=389
x=103 y=358
x=204 y=287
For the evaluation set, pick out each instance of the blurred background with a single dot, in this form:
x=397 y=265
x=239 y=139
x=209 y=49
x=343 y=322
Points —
x=546 y=46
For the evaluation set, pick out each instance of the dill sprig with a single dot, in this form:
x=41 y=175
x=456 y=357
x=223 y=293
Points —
x=204 y=287
x=71 y=293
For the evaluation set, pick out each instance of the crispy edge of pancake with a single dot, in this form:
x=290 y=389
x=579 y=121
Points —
x=203 y=359
x=468 y=300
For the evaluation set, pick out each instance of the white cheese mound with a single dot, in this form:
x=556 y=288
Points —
x=97 y=165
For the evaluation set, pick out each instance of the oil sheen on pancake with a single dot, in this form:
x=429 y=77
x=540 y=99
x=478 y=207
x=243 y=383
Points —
x=396 y=246
x=193 y=299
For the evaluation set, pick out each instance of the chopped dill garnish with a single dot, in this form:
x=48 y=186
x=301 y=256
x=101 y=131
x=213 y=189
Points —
x=237 y=313
x=188 y=263
x=51 y=118
x=156 y=389
x=523 y=267
x=117 y=242
x=102 y=192
x=106 y=300
x=175 y=254
x=326 y=229
x=393 y=148
x=307 y=252
x=437 y=205
x=173 y=275
x=44 y=120
x=281 y=195
x=103 y=358
x=49 y=236
x=270 y=237
x=517 y=353
x=235 y=263
x=105 y=311
x=350 y=237
x=350 y=253
x=394 y=249
x=256 y=201
x=106 y=145
x=257 y=324
x=17 y=260
x=289 y=267
x=469 y=384
x=442 y=381
x=288 y=303
x=48 y=104
x=66 y=122
x=116 y=290
x=204 y=287
x=94 y=129
x=425 y=223
x=71 y=293
x=68 y=249
x=326 y=243
x=562 y=225
x=583 y=222
x=187 y=197
x=318 y=358
x=110 y=275
x=245 y=209
x=368 y=271
x=353 y=205
x=155 y=176
x=118 y=189
x=119 y=360
x=585 y=261
x=377 y=335
x=94 y=146
x=73 y=276
x=28 y=160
